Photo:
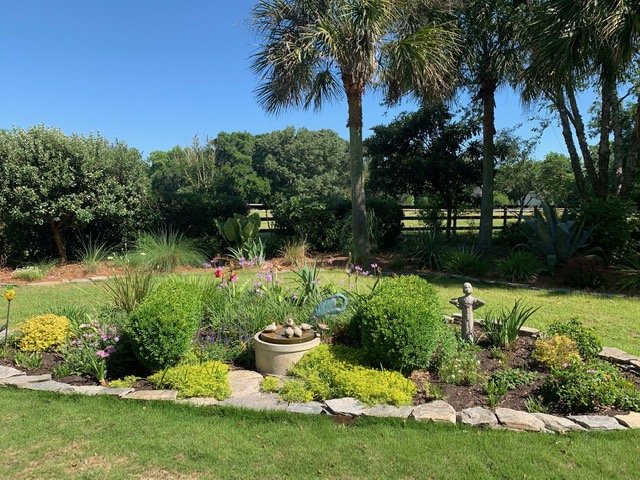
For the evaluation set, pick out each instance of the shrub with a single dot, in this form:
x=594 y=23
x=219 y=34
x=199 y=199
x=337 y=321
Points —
x=44 y=332
x=208 y=379
x=584 y=272
x=556 y=351
x=588 y=342
x=585 y=387
x=162 y=327
x=463 y=262
x=502 y=328
x=337 y=371
x=520 y=266
x=463 y=368
x=400 y=323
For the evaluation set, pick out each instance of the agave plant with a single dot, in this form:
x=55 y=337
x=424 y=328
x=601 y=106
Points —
x=556 y=238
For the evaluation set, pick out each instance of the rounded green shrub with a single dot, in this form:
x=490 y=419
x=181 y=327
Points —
x=161 y=329
x=400 y=323
x=587 y=340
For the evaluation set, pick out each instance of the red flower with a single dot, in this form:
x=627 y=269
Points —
x=234 y=277
x=218 y=273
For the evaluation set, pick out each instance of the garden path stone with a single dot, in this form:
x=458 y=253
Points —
x=310 y=408
x=199 y=401
x=8 y=372
x=389 y=411
x=244 y=383
x=268 y=401
x=557 y=424
x=516 y=420
x=345 y=406
x=22 y=379
x=152 y=395
x=597 y=422
x=48 y=386
x=477 y=417
x=617 y=355
x=99 y=390
x=630 y=420
x=98 y=278
x=436 y=411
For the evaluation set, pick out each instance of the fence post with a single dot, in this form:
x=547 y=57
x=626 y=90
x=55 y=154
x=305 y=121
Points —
x=504 y=217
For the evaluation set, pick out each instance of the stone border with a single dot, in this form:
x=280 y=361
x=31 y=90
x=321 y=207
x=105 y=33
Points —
x=245 y=386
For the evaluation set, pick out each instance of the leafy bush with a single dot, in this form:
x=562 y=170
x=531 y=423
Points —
x=400 y=323
x=463 y=368
x=465 y=262
x=44 y=332
x=162 y=327
x=208 y=379
x=555 y=239
x=584 y=272
x=337 y=371
x=556 y=351
x=588 y=342
x=585 y=387
x=502 y=327
x=520 y=266
x=167 y=250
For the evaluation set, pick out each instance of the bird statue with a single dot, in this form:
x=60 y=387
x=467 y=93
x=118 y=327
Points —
x=289 y=322
x=288 y=332
x=270 y=328
x=305 y=327
x=297 y=332
x=322 y=326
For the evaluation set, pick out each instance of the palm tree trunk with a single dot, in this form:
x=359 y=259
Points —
x=604 y=149
x=358 y=203
x=487 y=93
x=629 y=173
x=617 y=147
x=578 y=125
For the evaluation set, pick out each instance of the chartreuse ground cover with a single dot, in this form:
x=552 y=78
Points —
x=613 y=318
x=57 y=436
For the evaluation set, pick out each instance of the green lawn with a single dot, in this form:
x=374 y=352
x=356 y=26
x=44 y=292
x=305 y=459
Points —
x=49 y=436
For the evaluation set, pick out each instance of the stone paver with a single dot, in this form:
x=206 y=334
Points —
x=517 y=420
x=310 y=408
x=345 y=406
x=436 y=411
x=7 y=372
x=48 y=386
x=99 y=390
x=389 y=411
x=617 y=355
x=244 y=383
x=152 y=395
x=199 y=401
x=597 y=422
x=265 y=401
x=630 y=420
x=21 y=379
x=477 y=417
x=557 y=424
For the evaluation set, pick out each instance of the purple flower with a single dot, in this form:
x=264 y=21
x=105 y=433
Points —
x=268 y=277
x=374 y=265
x=591 y=371
x=365 y=273
x=116 y=339
x=110 y=349
x=330 y=261
x=358 y=268
x=102 y=354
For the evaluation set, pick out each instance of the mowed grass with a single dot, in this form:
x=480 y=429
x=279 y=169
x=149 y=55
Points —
x=55 y=436
x=616 y=320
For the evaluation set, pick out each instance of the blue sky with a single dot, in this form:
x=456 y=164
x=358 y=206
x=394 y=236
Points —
x=154 y=73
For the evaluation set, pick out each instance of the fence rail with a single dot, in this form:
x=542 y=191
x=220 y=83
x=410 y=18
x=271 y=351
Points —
x=464 y=220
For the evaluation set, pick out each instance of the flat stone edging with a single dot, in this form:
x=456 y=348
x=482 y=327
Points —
x=244 y=385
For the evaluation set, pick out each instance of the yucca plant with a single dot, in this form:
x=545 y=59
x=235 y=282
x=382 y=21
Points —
x=630 y=272
x=167 y=250
x=556 y=238
x=429 y=249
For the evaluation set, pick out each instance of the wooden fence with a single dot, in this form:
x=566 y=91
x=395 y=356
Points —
x=464 y=220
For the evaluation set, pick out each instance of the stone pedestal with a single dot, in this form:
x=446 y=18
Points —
x=276 y=359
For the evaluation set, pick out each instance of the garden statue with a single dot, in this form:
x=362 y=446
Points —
x=467 y=304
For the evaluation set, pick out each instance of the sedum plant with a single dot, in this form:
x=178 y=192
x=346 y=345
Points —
x=208 y=379
x=44 y=332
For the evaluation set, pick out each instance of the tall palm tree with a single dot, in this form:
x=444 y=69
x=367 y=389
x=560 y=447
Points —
x=314 y=51
x=579 y=42
x=492 y=58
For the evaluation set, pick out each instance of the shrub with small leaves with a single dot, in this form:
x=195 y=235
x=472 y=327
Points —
x=555 y=351
x=208 y=379
x=334 y=371
x=44 y=332
x=579 y=387
x=587 y=340
x=270 y=384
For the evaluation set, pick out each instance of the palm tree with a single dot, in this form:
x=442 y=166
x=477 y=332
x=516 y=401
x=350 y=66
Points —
x=492 y=59
x=575 y=43
x=314 y=51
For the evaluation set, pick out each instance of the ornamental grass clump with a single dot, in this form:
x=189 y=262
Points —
x=502 y=327
x=162 y=328
x=400 y=323
x=208 y=379
x=44 y=332
x=337 y=371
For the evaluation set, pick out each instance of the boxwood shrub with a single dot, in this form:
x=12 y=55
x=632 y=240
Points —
x=400 y=324
x=161 y=329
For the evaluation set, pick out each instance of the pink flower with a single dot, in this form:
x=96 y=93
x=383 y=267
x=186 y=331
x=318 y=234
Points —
x=374 y=265
x=102 y=354
x=234 y=277
x=591 y=371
